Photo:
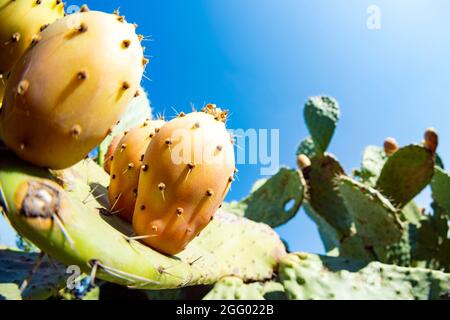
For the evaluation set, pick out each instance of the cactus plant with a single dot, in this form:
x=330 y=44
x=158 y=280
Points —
x=82 y=229
x=308 y=276
x=80 y=85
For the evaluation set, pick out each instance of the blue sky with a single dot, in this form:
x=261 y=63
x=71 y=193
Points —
x=263 y=58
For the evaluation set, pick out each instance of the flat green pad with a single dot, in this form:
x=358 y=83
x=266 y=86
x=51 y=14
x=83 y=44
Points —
x=308 y=276
x=372 y=163
x=440 y=186
x=377 y=221
x=276 y=200
x=307 y=148
x=232 y=288
x=16 y=266
x=406 y=173
x=321 y=116
x=229 y=246
x=323 y=197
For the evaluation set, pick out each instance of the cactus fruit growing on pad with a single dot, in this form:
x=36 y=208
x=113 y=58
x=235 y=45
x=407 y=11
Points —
x=89 y=65
x=186 y=174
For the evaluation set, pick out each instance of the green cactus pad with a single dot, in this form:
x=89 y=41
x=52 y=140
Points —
x=323 y=197
x=406 y=173
x=16 y=267
x=308 y=276
x=399 y=253
x=77 y=230
x=233 y=288
x=321 y=116
x=377 y=221
x=440 y=186
x=307 y=148
x=267 y=203
x=373 y=161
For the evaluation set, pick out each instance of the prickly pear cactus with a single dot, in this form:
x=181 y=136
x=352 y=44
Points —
x=321 y=116
x=308 y=276
x=274 y=201
x=73 y=226
x=233 y=288
x=21 y=22
x=29 y=276
x=406 y=173
x=186 y=173
x=126 y=163
x=86 y=91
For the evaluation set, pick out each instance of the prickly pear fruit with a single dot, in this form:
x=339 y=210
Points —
x=187 y=171
x=390 y=146
x=431 y=139
x=110 y=152
x=21 y=21
x=126 y=165
x=89 y=65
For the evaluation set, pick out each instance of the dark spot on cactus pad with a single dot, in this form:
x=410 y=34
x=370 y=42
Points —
x=40 y=201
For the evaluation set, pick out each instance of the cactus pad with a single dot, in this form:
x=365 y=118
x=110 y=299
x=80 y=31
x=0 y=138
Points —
x=308 y=276
x=377 y=221
x=323 y=197
x=440 y=186
x=373 y=161
x=307 y=148
x=78 y=232
x=268 y=202
x=406 y=173
x=321 y=116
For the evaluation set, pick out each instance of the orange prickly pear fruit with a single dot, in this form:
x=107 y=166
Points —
x=110 y=152
x=70 y=88
x=126 y=163
x=21 y=21
x=187 y=171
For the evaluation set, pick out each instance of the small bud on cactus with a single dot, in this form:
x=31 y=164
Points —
x=126 y=166
x=110 y=152
x=88 y=78
x=185 y=182
x=390 y=146
x=303 y=161
x=431 y=140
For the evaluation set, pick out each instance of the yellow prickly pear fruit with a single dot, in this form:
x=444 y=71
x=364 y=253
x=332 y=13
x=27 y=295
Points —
x=126 y=163
x=110 y=152
x=21 y=21
x=70 y=88
x=187 y=171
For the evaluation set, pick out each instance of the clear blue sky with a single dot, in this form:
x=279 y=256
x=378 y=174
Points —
x=262 y=59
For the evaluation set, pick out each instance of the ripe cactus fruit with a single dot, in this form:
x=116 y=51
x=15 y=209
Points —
x=89 y=65
x=21 y=21
x=110 y=152
x=186 y=174
x=126 y=163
